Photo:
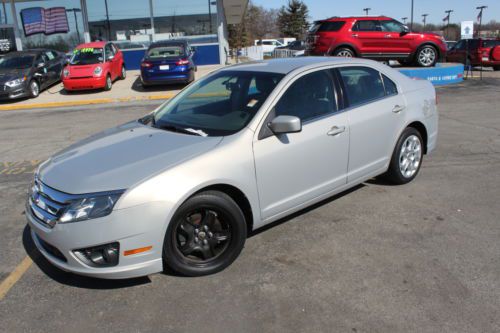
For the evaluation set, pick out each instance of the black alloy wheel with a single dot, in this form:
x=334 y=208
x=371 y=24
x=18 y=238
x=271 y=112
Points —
x=205 y=235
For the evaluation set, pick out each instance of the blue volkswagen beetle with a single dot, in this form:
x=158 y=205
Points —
x=168 y=62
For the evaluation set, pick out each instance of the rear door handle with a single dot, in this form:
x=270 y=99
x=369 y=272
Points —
x=336 y=130
x=355 y=35
x=388 y=36
x=398 y=108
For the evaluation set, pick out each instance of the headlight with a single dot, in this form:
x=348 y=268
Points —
x=90 y=207
x=98 y=71
x=66 y=72
x=16 y=82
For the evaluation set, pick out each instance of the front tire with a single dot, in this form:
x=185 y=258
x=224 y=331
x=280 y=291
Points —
x=407 y=157
x=123 y=73
x=34 y=89
x=109 y=83
x=205 y=235
x=426 y=56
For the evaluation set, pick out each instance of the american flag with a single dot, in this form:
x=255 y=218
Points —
x=48 y=21
x=447 y=17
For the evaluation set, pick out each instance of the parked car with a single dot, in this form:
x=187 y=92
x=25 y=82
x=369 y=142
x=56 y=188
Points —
x=485 y=52
x=26 y=73
x=168 y=62
x=268 y=45
x=297 y=48
x=94 y=65
x=238 y=149
x=450 y=44
x=375 y=37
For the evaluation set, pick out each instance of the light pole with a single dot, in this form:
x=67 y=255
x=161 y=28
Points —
x=480 y=17
x=108 y=25
x=425 y=17
x=448 y=14
x=404 y=19
x=411 y=22
x=366 y=10
x=75 y=10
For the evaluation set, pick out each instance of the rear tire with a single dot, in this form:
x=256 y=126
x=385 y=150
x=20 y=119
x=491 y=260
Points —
x=109 y=83
x=344 y=52
x=205 y=235
x=406 y=158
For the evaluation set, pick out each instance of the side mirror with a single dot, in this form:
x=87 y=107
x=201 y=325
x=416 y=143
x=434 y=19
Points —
x=285 y=124
x=405 y=30
x=40 y=65
x=111 y=58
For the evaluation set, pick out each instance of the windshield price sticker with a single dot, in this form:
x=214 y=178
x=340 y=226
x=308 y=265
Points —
x=85 y=50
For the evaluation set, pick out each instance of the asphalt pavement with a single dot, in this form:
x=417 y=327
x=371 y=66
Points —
x=422 y=257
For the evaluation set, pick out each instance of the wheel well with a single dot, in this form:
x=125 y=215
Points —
x=423 y=132
x=240 y=199
x=344 y=46
x=430 y=44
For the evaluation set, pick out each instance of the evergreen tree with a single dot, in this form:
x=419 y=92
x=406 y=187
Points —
x=292 y=19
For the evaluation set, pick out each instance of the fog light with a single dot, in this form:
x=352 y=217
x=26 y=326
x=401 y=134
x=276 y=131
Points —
x=100 y=256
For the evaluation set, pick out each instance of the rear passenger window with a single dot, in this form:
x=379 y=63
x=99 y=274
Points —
x=362 y=84
x=390 y=86
x=309 y=97
x=367 y=25
x=330 y=26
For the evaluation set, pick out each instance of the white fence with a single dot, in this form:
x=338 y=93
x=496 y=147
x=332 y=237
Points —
x=253 y=52
x=284 y=53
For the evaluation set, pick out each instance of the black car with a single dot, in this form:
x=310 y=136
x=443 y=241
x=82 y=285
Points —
x=26 y=73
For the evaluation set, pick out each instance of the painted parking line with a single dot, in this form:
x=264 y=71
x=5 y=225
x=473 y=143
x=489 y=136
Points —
x=19 y=167
x=15 y=276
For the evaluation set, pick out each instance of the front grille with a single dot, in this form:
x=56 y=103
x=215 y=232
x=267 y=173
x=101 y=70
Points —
x=47 y=204
x=52 y=250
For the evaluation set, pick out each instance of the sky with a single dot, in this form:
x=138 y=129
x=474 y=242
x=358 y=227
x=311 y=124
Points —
x=464 y=10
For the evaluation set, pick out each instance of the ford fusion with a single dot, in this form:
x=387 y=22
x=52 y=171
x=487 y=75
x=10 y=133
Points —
x=244 y=146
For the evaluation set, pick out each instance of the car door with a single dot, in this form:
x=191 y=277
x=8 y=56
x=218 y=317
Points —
x=376 y=115
x=54 y=66
x=118 y=59
x=42 y=73
x=371 y=38
x=292 y=169
x=110 y=59
x=397 y=40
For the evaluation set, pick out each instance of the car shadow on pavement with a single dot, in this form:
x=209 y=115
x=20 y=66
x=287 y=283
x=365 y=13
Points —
x=70 y=279
x=137 y=86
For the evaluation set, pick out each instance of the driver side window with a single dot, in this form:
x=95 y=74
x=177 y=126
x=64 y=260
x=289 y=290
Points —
x=308 y=97
x=109 y=52
x=392 y=26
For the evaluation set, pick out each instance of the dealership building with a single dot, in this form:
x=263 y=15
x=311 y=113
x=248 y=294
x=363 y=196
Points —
x=132 y=23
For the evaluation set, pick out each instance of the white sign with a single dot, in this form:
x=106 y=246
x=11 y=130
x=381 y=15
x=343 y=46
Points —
x=467 y=29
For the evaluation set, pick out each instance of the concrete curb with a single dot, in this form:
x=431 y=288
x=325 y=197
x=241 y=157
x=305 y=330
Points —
x=84 y=102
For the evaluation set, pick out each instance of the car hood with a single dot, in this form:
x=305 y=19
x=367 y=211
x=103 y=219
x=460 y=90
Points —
x=120 y=157
x=12 y=74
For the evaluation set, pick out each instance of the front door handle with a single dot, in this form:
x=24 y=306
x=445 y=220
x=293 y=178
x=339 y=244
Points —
x=336 y=130
x=398 y=108
x=355 y=35
x=388 y=36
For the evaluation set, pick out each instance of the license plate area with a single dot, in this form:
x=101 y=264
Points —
x=164 y=67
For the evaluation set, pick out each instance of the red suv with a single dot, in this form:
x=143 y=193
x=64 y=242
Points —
x=485 y=51
x=374 y=37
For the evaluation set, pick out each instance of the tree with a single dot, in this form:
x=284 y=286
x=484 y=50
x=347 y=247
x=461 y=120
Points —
x=293 y=19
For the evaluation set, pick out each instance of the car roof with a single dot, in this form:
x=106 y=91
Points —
x=169 y=42
x=22 y=53
x=287 y=65
x=338 y=18
x=92 y=45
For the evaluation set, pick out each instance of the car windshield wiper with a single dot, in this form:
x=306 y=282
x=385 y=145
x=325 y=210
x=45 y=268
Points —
x=179 y=129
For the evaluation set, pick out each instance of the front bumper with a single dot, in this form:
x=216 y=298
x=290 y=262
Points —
x=134 y=227
x=86 y=83
x=14 y=93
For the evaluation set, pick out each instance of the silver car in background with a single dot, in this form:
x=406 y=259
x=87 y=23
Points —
x=234 y=151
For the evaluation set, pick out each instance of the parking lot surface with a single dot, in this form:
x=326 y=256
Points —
x=423 y=257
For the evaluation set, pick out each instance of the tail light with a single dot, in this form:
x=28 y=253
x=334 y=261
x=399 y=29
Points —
x=146 y=64
x=182 y=62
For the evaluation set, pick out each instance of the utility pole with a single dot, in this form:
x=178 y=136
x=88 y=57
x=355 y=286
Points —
x=424 y=16
x=75 y=10
x=404 y=19
x=448 y=14
x=366 y=10
x=480 y=17
x=108 y=25
x=411 y=23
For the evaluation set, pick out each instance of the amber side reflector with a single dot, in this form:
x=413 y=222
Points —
x=135 y=251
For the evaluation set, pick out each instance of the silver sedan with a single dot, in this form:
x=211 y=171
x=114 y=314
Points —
x=242 y=147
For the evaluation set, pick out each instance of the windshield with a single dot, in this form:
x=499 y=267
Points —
x=87 y=56
x=166 y=51
x=218 y=105
x=21 y=62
